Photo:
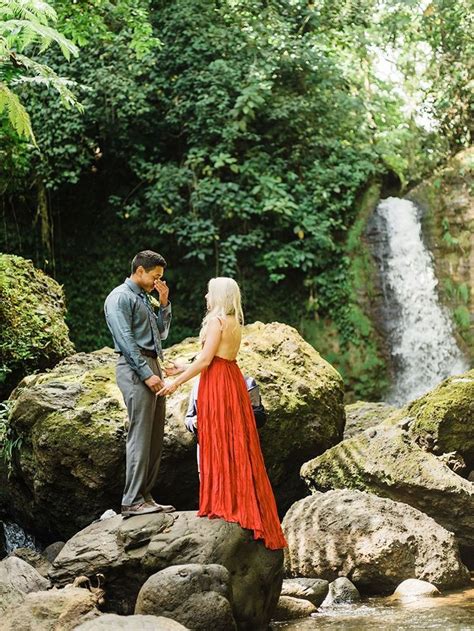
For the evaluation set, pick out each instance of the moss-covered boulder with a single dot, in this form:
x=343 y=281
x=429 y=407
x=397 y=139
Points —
x=386 y=461
x=442 y=421
x=33 y=333
x=71 y=423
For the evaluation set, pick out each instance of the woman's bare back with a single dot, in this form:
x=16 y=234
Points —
x=231 y=338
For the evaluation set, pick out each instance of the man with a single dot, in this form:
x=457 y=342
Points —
x=137 y=330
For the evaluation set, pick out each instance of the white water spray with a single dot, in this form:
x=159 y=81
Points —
x=422 y=341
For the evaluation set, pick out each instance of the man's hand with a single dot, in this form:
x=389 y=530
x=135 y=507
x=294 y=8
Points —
x=163 y=289
x=168 y=388
x=175 y=368
x=154 y=383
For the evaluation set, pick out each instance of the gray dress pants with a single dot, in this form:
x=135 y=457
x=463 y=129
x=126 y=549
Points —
x=146 y=413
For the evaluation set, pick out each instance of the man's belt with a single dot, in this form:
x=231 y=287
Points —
x=147 y=353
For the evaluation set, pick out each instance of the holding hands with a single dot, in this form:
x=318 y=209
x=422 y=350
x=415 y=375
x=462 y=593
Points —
x=168 y=388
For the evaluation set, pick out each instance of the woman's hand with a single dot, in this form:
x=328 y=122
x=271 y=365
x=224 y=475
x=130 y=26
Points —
x=168 y=388
x=175 y=368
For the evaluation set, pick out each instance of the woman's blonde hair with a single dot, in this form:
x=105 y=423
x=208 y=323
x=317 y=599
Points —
x=223 y=300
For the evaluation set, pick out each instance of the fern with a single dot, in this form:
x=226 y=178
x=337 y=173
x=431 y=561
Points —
x=17 y=114
x=25 y=26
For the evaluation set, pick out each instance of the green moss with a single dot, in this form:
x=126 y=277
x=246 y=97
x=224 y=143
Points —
x=33 y=335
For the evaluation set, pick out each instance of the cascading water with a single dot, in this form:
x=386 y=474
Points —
x=420 y=333
x=16 y=537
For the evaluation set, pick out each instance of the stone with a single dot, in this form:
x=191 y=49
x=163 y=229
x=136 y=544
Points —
x=442 y=420
x=61 y=610
x=33 y=335
x=52 y=551
x=127 y=552
x=290 y=608
x=10 y=596
x=341 y=592
x=72 y=423
x=364 y=414
x=198 y=596
x=113 y=622
x=313 y=589
x=374 y=542
x=391 y=465
x=33 y=558
x=413 y=588
x=20 y=574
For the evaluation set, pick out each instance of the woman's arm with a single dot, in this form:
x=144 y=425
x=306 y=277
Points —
x=205 y=357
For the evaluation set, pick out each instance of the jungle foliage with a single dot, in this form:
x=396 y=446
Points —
x=236 y=138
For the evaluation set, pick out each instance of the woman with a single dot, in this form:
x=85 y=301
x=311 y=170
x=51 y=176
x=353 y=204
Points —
x=234 y=483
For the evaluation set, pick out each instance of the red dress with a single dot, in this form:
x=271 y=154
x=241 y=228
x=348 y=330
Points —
x=234 y=482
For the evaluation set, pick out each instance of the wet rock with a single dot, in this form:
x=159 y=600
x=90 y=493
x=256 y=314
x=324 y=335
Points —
x=414 y=588
x=341 y=592
x=20 y=574
x=375 y=542
x=313 y=589
x=197 y=596
x=112 y=622
x=290 y=608
x=127 y=552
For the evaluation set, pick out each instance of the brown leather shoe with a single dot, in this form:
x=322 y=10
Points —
x=162 y=508
x=142 y=508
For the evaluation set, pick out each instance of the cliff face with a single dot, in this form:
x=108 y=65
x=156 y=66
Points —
x=447 y=202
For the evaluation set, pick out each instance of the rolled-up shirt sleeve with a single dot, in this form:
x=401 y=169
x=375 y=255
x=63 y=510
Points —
x=118 y=314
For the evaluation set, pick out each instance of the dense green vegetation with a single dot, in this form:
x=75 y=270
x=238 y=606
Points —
x=235 y=138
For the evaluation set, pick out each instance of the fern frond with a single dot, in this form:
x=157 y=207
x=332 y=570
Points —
x=17 y=115
x=24 y=32
x=35 y=10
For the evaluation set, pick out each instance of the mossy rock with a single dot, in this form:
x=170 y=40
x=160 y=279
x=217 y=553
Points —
x=386 y=461
x=33 y=333
x=442 y=421
x=71 y=425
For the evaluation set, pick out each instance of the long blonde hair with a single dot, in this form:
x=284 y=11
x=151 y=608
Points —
x=224 y=300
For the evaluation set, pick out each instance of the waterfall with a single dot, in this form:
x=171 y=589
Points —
x=16 y=537
x=419 y=328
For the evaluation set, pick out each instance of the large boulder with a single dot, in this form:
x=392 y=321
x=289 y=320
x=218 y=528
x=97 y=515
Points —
x=442 y=421
x=33 y=335
x=385 y=460
x=413 y=457
x=197 y=596
x=58 y=609
x=71 y=425
x=373 y=541
x=127 y=552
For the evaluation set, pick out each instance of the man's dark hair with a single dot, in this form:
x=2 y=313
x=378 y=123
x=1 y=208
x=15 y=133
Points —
x=147 y=259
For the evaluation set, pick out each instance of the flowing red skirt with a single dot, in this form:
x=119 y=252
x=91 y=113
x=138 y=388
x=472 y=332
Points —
x=234 y=482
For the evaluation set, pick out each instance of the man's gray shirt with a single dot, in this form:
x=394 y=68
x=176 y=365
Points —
x=128 y=320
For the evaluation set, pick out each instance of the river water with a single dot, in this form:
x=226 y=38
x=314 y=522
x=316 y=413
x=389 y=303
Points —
x=450 y=612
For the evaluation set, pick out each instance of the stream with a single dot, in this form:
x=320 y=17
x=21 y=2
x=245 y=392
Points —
x=451 y=612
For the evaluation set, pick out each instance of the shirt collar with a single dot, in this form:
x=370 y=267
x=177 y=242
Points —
x=133 y=286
